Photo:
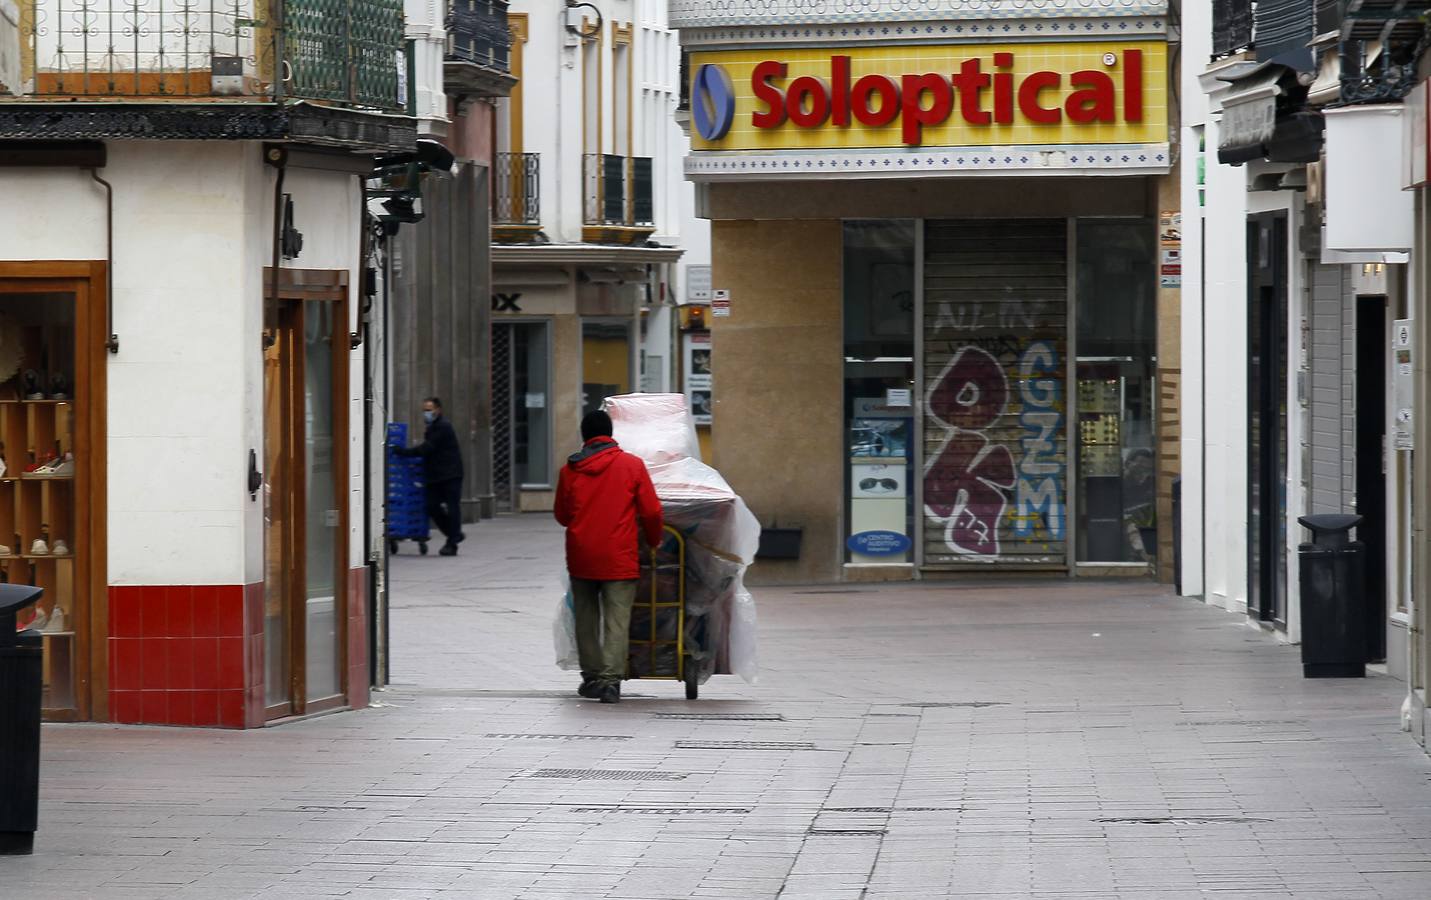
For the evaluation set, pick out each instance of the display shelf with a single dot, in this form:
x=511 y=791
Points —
x=41 y=556
x=30 y=476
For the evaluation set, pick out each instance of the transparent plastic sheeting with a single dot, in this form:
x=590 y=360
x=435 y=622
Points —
x=721 y=536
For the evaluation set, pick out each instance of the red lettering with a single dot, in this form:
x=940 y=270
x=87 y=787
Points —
x=888 y=92
x=1004 y=89
x=1029 y=105
x=970 y=81
x=807 y=87
x=767 y=93
x=840 y=77
x=916 y=114
x=1133 y=85
x=1093 y=101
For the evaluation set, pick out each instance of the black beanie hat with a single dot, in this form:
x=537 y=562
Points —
x=595 y=424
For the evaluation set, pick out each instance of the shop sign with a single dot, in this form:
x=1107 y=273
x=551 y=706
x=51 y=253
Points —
x=698 y=284
x=879 y=543
x=1403 y=386
x=720 y=303
x=960 y=95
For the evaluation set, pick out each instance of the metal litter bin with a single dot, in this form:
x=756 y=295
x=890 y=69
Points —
x=1333 y=590
x=21 y=663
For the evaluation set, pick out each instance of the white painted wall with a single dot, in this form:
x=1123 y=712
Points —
x=1196 y=48
x=192 y=235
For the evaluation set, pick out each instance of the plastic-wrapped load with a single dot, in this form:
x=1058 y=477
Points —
x=720 y=534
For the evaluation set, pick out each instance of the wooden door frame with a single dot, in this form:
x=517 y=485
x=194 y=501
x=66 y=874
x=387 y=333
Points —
x=88 y=281
x=297 y=288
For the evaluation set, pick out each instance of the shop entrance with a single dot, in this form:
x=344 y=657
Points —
x=53 y=332
x=1371 y=452
x=1267 y=418
x=305 y=496
x=521 y=410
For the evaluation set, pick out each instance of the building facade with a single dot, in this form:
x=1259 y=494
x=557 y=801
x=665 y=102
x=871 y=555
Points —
x=1300 y=202
x=945 y=281
x=184 y=307
x=591 y=217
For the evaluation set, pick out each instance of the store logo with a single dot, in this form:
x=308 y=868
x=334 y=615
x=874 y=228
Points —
x=981 y=91
x=712 y=102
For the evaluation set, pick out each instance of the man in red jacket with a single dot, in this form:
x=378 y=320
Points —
x=601 y=493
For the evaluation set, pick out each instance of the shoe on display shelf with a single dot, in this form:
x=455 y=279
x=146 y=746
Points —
x=33 y=386
x=57 y=468
x=4 y=551
x=57 y=622
x=2 y=467
x=60 y=548
x=39 y=548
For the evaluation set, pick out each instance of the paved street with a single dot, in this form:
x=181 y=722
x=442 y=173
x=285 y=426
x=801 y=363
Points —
x=1049 y=740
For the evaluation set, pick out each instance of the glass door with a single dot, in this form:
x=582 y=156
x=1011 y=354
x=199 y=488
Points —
x=305 y=578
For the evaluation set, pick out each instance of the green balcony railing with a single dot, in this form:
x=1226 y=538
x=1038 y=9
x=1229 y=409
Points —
x=347 y=52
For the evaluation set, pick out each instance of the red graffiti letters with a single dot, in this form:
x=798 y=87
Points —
x=965 y=484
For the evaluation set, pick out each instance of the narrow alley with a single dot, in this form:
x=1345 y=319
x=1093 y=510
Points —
x=976 y=741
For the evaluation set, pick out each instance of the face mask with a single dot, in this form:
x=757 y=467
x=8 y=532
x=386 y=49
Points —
x=429 y=416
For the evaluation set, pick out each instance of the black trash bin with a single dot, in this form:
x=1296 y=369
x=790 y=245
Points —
x=21 y=657
x=1333 y=579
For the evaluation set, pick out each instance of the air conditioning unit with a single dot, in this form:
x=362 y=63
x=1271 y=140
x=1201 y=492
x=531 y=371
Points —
x=227 y=77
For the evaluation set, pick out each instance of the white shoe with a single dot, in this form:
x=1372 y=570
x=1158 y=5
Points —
x=39 y=548
x=2 y=468
x=60 y=468
x=41 y=619
x=4 y=551
x=57 y=621
x=61 y=548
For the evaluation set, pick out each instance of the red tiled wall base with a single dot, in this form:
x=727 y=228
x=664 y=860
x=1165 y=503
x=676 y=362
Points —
x=186 y=655
x=193 y=655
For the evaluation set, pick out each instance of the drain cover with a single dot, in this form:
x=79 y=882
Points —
x=966 y=704
x=602 y=774
x=723 y=717
x=847 y=832
x=1181 y=820
x=744 y=745
x=561 y=737
x=1248 y=722
x=665 y=810
x=889 y=809
x=514 y=695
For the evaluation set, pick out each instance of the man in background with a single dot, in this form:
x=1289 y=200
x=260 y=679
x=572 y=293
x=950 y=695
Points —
x=442 y=474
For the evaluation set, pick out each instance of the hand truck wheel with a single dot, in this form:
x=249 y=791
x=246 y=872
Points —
x=392 y=548
x=422 y=547
x=693 y=686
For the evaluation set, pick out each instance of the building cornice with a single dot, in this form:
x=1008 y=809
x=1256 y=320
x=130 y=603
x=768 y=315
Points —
x=325 y=126
x=581 y=254
x=686 y=14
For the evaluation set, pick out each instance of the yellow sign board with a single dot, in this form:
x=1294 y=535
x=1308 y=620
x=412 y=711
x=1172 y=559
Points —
x=958 y=95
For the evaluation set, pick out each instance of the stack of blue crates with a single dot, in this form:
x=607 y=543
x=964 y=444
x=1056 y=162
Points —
x=406 y=506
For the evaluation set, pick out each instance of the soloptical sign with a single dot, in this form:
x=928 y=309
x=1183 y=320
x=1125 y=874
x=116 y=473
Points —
x=919 y=96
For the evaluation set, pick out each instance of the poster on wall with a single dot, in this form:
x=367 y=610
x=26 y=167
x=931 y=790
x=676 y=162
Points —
x=1403 y=385
x=698 y=376
x=880 y=456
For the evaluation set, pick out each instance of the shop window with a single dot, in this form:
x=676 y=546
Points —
x=605 y=361
x=1116 y=328
x=38 y=541
x=879 y=285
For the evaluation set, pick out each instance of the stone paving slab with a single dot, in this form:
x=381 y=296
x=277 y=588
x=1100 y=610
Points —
x=993 y=740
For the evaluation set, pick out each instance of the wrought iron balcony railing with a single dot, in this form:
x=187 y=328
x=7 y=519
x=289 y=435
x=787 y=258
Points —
x=1231 y=27
x=477 y=32
x=618 y=190
x=348 y=52
x=1382 y=42
x=516 y=192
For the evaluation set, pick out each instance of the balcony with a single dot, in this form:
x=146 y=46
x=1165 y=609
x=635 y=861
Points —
x=479 y=46
x=516 y=197
x=1231 y=27
x=619 y=206
x=337 y=51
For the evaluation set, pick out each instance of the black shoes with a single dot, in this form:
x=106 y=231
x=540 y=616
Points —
x=588 y=689
x=448 y=549
x=611 y=693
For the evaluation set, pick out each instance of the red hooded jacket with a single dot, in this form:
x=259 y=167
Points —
x=601 y=492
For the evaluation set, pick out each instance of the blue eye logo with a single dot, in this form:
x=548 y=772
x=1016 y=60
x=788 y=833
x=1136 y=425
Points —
x=712 y=102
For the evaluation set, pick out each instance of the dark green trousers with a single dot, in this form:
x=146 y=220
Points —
x=603 y=626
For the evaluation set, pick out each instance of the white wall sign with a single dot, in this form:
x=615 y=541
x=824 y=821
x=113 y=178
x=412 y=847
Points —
x=698 y=284
x=720 y=303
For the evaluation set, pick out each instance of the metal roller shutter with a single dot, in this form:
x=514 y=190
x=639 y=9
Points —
x=995 y=357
